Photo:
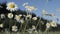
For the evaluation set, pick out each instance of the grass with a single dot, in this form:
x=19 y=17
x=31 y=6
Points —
x=39 y=32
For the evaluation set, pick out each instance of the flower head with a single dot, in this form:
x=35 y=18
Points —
x=30 y=8
x=29 y=30
x=10 y=15
x=11 y=6
x=2 y=16
x=1 y=25
x=14 y=28
x=20 y=14
x=47 y=25
x=44 y=12
x=53 y=24
x=29 y=16
x=34 y=18
x=33 y=27
x=18 y=17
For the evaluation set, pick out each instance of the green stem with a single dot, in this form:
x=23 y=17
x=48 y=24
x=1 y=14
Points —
x=26 y=25
x=20 y=27
x=38 y=22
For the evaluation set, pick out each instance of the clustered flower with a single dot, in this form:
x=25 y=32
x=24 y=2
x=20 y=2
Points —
x=51 y=24
x=29 y=8
x=18 y=17
x=48 y=14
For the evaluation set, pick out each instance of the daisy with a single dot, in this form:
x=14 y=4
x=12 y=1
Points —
x=2 y=16
x=47 y=25
x=44 y=12
x=53 y=24
x=29 y=16
x=29 y=30
x=18 y=17
x=10 y=15
x=33 y=27
x=30 y=8
x=11 y=6
x=14 y=28
x=34 y=18
x=20 y=14
x=1 y=25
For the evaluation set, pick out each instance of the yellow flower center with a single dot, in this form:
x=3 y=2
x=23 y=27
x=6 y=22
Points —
x=28 y=7
x=11 y=14
x=11 y=5
x=18 y=17
x=53 y=24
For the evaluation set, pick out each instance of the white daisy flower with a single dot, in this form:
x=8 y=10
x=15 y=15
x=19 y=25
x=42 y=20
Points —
x=2 y=16
x=11 y=6
x=29 y=30
x=18 y=17
x=1 y=25
x=53 y=24
x=33 y=27
x=44 y=12
x=10 y=15
x=30 y=8
x=47 y=25
x=34 y=18
x=14 y=28
x=48 y=14
x=29 y=16
x=20 y=14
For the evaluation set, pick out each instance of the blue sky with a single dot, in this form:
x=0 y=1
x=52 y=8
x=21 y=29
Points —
x=49 y=6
